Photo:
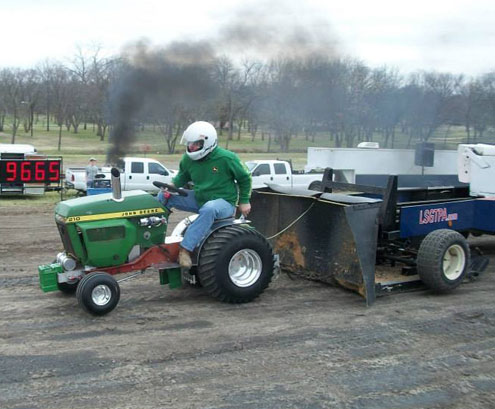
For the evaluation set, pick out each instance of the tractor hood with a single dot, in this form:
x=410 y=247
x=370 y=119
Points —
x=135 y=203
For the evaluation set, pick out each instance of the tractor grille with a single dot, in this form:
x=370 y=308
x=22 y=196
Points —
x=64 y=235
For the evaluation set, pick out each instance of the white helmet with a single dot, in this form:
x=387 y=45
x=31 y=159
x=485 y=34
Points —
x=200 y=139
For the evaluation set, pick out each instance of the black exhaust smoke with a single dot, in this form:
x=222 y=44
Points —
x=154 y=83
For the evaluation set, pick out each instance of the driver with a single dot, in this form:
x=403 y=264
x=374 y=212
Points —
x=220 y=183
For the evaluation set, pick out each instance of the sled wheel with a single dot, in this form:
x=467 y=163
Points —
x=98 y=293
x=68 y=288
x=236 y=264
x=317 y=186
x=443 y=260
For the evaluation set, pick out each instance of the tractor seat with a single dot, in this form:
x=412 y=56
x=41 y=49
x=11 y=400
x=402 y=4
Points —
x=225 y=218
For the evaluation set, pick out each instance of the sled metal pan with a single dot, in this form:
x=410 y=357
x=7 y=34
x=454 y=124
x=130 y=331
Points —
x=334 y=239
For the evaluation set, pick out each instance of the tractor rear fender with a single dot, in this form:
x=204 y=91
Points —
x=218 y=224
x=182 y=226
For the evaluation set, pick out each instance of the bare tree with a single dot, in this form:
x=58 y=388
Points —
x=384 y=103
x=172 y=121
x=3 y=106
x=280 y=108
x=61 y=97
x=90 y=80
x=31 y=96
x=428 y=98
x=488 y=83
x=237 y=90
x=100 y=73
x=12 y=81
x=251 y=75
x=226 y=76
x=46 y=72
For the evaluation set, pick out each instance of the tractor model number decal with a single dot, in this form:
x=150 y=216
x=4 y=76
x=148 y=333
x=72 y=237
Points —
x=436 y=216
x=116 y=215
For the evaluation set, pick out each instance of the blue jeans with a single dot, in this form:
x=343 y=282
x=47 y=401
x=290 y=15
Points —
x=214 y=209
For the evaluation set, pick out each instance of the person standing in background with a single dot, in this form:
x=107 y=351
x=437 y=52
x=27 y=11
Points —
x=91 y=171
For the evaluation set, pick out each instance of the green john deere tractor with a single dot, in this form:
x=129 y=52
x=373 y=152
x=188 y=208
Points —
x=125 y=232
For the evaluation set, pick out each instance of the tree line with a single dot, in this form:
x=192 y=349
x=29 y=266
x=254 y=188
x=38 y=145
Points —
x=279 y=99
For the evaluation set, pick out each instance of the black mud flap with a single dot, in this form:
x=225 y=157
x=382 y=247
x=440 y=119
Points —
x=321 y=236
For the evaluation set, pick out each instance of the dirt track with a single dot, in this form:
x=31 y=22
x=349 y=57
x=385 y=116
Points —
x=300 y=345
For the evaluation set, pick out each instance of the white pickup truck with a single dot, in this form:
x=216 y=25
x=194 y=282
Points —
x=138 y=173
x=280 y=172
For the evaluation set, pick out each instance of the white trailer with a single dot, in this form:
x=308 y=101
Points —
x=476 y=164
x=372 y=166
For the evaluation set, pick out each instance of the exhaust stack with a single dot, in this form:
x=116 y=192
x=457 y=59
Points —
x=116 y=187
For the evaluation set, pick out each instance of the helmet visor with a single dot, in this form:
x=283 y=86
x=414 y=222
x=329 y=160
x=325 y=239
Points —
x=195 y=146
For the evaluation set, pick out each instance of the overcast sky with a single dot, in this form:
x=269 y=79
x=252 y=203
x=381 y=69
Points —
x=443 y=35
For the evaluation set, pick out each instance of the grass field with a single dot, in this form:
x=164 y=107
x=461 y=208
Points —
x=85 y=142
x=48 y=199
x=76 y=148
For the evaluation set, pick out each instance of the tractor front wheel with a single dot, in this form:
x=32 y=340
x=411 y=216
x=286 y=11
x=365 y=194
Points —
x=236 y=264
x=443 y=260
x=98 y=293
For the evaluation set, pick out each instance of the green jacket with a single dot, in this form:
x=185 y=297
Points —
x=220 y=175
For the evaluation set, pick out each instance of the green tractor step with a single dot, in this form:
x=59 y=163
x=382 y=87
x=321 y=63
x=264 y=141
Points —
x=48 y=276
x=171 y=276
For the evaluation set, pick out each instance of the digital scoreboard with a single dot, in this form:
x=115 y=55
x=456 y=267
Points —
x=29 y=170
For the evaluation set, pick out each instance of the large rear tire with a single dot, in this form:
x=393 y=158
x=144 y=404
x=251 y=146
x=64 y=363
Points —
x=98 y=293
x=443 y=260
x=236 y=264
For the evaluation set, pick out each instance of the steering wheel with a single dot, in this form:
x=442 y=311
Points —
x=171 y=189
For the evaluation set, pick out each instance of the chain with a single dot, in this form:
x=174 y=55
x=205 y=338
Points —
x=293 y=222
